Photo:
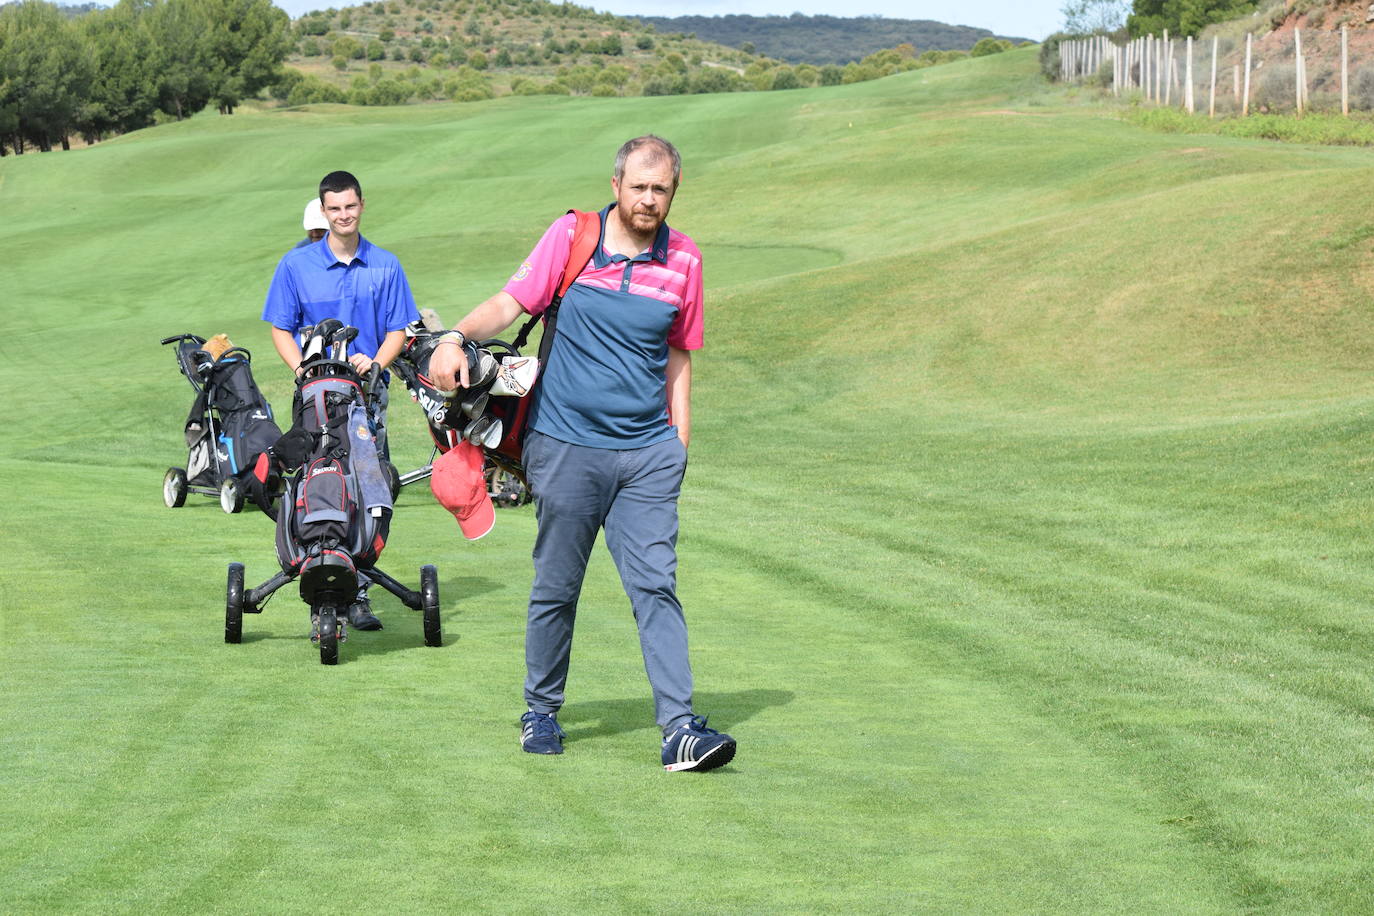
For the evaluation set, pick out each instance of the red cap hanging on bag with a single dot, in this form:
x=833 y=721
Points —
x=461 y=488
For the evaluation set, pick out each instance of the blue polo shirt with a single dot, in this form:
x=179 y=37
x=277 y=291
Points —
x=371 y=293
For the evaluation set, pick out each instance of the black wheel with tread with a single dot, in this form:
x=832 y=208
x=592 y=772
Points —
x=393 y=478
x=174 y=488
x=233 y=605
x=231 y=496
x=429 y=605
x=329 y=636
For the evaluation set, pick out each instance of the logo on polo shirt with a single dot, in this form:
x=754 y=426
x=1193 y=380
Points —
x=523 y=272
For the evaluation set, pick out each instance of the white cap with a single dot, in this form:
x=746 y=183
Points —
x=314 y=216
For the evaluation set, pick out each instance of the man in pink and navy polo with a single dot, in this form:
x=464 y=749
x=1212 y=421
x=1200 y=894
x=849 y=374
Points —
x=606 y=444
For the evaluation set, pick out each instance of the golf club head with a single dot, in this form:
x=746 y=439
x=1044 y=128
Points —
x=314 y=347
x=482 y=367
x=516 y=376
x=327 y=329
x=474 y=404
x=485 y=431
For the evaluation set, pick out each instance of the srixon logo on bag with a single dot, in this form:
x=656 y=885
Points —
x=324 y=503
x=433 y=407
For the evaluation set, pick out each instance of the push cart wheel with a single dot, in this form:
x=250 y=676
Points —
x=231 y=496
x=329 y=635
x=233 y=605
x=429 y=605
x=174 y=488
x=393 y=478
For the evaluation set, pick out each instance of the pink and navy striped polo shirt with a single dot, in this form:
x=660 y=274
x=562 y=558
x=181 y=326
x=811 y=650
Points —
x=605 y=384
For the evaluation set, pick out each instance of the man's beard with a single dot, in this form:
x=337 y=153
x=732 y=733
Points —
x=643 y=223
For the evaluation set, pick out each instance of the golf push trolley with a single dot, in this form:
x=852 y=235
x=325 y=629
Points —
x=229 y=424
x=334 y=515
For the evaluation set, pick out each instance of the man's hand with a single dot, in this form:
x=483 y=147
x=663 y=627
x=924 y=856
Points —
x=361 y=363
x=448 y=364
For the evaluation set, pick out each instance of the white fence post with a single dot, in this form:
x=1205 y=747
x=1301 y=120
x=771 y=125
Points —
x=1188 y=77
x=1212 y=93
x=1245 y=104
x=1345 y=71
x=1297 y=68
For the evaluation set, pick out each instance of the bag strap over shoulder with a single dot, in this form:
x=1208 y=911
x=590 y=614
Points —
x=586 y=236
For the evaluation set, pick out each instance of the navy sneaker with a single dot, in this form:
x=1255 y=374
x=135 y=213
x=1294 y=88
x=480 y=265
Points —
x=541 y=734
x=693 y=746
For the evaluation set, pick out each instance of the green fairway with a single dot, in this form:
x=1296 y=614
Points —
x=1024 y=540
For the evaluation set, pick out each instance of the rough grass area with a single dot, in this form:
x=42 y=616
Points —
x=1025 y=538
x=1314 y=127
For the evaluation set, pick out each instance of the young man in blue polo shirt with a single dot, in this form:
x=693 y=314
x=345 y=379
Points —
x=606 y=446
x=343 y=276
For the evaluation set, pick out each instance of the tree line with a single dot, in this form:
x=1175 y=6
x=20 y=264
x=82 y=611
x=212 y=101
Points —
x=1137 y=18
x=119 y=69
x=822 y=40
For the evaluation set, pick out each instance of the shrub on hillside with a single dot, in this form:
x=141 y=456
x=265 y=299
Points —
x=785 y=78
x=1049 y=55
x=831 y=75
x=858 y=73
x=290 y=79
x=1362 y=89
x=989 y=45
x=1276 y=87
x=714 y=79
x=666 y=84
x=311 y=90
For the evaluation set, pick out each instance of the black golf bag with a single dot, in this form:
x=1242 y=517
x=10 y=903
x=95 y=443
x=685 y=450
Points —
x=229 y=425
x=335 y=511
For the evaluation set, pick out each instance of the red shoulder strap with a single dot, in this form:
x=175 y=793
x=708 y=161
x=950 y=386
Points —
x=585 y=239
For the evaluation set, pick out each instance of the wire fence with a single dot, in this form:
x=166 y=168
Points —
x=1191 y=74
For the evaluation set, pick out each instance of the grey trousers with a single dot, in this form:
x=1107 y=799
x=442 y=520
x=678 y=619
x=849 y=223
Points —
x=632 y=494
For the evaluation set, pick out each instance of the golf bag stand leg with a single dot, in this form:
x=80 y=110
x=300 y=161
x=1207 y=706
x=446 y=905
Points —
x=410 y=599
x=253 y=600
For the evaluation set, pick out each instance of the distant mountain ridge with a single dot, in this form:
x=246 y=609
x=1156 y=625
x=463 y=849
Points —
x=824 y=39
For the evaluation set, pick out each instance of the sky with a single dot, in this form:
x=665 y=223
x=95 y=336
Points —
x=1032 y=19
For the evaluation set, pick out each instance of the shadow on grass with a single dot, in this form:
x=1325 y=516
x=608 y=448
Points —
x=726 y=709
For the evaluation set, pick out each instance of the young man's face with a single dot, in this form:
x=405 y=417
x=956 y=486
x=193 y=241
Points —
x=644 y=193
x=343 y=209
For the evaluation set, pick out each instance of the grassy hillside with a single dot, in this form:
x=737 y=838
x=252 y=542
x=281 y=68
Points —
x=438 y=48
x=823 y=39
x=1024 y=540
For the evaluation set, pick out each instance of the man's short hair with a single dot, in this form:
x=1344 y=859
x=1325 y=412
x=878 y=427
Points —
x=657 y=147
x=337 y=183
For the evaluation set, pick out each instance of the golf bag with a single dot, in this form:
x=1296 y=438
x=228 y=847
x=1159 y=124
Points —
x=229 y=425
x=335 y=514
x=336 y=511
